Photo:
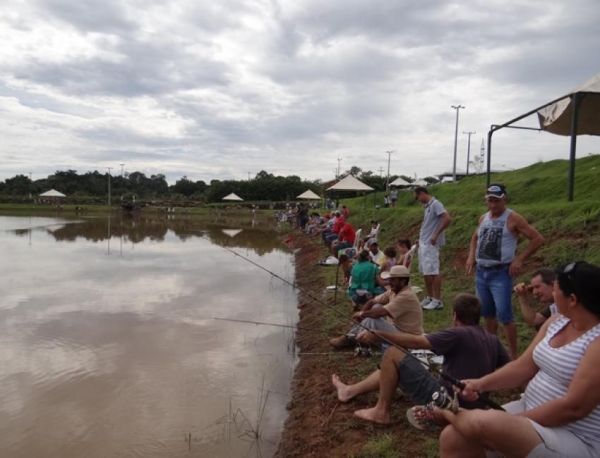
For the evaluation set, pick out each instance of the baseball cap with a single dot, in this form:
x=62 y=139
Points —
x=496 y=190
x=399 y=272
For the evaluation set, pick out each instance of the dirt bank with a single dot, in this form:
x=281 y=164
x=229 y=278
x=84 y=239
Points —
x=318 y=425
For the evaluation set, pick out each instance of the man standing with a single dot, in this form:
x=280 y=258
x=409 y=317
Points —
x=394 y=197
x=542 y=288
x=431 y=238
x=396 y=310
x=493 y=248
x=467 y=349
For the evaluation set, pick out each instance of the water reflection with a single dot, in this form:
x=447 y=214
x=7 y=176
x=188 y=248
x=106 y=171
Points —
x=119 y=355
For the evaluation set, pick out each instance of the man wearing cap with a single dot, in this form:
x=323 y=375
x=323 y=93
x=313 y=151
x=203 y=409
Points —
x=431 y=238
x=493 y=249
x=396 y=310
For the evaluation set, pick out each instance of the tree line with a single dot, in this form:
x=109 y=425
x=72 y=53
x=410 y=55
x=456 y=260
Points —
x=136 y=185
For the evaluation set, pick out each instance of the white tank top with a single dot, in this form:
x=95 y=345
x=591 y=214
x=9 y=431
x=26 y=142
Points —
x=557 y=367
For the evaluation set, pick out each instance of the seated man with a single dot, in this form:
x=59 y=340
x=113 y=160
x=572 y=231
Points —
x=468 y=350
x=335 y=229
x=542 y=287
x=398 y=309
x=345 y=239
x=365 y=280
x=375 y=254
x=371 y=237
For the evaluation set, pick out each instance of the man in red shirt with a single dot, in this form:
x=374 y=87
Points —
x=345 y=239
x=335 y=230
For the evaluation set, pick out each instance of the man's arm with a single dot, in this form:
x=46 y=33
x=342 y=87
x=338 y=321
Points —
x=521 y=226
x=446 y=220
x=530 y=317
x=472 y=247
x=403 y=339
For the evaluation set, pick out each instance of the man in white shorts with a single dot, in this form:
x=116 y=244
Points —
x=431 y=238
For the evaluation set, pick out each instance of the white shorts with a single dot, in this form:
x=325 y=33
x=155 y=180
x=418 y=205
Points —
x=556 y=442
x=429 y=259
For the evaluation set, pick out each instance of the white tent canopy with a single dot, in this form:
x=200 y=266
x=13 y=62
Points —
x=350 y=183
x=233 y=196
x=309 y=195
x=399 y=182
x=420 y=182
x=557 y=117
x=52 y=193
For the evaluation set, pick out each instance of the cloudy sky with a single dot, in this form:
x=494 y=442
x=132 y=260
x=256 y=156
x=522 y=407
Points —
x=224 y=89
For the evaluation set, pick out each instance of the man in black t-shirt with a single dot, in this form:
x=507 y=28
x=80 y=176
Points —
x=469 y=352
x=542 y=288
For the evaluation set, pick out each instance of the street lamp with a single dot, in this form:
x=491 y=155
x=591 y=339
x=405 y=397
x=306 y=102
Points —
x=122 y=165
x=387 y=182
x=469 y=149
x=457 y=108
x=109 y=169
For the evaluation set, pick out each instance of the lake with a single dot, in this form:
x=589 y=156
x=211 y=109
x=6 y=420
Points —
x=110 y=347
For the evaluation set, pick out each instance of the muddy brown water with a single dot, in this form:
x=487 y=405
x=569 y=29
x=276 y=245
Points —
x=109 y=348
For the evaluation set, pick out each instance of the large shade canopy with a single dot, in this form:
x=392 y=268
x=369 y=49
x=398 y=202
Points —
x=308 y=195
x=52 y=193
x=233 y=196
x=399 y=182
x=350 y=184
x=420 y=182
x=577 y=113
x=557 y=117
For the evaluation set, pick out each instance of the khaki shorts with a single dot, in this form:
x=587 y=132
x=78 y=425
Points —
x=556 y=442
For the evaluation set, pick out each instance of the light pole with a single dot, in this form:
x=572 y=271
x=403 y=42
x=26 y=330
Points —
x=109 y=169
x=387 y=181
x=30 y=185
x=338 y=169
x=469 y=149
x=122 y=165
x=457 y=108
x=380 y=172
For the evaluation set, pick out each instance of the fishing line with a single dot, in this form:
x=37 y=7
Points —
x=442 y=374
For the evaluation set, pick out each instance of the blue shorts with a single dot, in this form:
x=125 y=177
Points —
x=494 y=288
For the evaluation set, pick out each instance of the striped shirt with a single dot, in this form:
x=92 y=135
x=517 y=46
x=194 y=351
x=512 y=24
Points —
x=557 y=367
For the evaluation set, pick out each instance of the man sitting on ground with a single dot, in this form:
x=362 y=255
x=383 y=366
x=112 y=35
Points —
x=375 y=254
x=542 y=287
x=398 y=309
x=468 y=351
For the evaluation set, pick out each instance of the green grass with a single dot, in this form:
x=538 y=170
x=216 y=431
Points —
x=383 y=446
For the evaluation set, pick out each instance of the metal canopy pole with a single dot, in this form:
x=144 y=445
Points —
x=575 y=102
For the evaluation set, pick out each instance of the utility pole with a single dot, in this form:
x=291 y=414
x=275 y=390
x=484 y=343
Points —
x=30 y=185
x=249 y=176
x=387 y=181
x=122 y=183
x=338 y=169
x=380 y=172
x=469 y=149
x=109 y=169
x=457 y=108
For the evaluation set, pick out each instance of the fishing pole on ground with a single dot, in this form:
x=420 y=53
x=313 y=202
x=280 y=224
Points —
x=442 y=374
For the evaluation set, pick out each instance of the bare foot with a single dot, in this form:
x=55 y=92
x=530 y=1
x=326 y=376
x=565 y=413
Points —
x=373 y=415
x=343 y=390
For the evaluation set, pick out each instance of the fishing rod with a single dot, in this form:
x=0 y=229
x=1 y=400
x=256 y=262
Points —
x=444 y=375
x=270 y=324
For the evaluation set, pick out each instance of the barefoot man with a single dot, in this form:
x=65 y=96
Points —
x=467 y=349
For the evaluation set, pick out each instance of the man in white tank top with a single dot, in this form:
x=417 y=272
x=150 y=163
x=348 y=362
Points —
x=493 y=250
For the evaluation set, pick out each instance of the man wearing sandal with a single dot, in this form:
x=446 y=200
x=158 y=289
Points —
x=467 y=349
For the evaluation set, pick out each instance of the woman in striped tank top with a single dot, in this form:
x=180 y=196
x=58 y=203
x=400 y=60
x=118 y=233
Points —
x=559 y=413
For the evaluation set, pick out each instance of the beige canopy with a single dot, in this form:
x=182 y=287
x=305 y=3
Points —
x=399 y=182
x=350 y=183
x=233 y=196
x=558 y=117
x=52 y=193
x=308 y=195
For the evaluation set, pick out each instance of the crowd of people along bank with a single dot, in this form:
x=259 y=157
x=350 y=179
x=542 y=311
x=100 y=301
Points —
x=558 y=412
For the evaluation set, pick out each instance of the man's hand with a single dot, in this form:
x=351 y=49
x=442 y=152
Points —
x=470 y=266
x=433 y=240
x=368 y=337
x=417 y=242
x=357 y=317
x=522 y=289
x=516 y=267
